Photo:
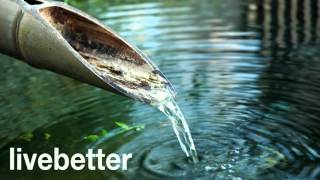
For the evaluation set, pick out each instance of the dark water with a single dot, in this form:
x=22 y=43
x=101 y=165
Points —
x=247 y=78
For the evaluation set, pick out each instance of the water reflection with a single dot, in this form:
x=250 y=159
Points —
x=247 y=77
x=285 y=24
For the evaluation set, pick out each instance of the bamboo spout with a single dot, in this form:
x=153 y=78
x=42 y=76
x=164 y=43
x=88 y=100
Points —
x=59 y=38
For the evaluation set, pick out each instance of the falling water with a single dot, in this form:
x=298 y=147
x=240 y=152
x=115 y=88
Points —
x=171 y=109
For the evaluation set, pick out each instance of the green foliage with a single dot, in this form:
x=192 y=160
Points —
x=123 y=126
x=95 y=137
x=27 y=136
x=47 y=136
x=103 y=132
x=126 y=127
x=75 y=3
x=92 y=138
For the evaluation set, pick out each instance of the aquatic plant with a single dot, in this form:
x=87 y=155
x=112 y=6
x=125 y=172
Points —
x=127 y=127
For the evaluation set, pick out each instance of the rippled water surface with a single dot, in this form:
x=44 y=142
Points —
x=247 y=77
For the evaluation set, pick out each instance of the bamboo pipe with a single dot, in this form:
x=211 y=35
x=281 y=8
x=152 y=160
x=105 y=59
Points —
x=57 y=37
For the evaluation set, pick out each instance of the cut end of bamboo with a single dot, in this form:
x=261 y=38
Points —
x=118 y=64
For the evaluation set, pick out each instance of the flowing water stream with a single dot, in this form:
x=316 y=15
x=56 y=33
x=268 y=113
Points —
x=170 y=108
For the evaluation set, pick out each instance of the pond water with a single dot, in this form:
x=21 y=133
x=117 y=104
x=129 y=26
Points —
x=246 y=75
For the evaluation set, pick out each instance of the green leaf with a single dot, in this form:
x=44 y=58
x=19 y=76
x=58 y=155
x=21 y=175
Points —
x=92 y=137
x=27 y=136
x=123 y=125
x=103 y=132
x=47 y=136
